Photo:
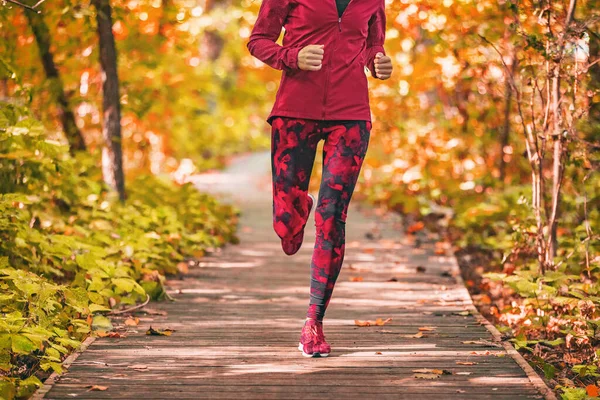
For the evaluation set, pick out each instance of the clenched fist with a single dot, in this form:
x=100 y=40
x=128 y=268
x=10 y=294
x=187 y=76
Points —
x=310 y=58
x=383 y=66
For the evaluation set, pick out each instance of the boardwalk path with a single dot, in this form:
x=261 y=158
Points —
x=239 y=313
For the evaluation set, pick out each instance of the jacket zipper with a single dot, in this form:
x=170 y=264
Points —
x=343 y=12
x=327 y=76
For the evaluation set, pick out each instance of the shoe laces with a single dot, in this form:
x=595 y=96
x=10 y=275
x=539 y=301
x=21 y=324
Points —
x=316 y=334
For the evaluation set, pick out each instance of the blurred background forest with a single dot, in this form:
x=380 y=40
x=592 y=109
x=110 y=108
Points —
x=488 y=133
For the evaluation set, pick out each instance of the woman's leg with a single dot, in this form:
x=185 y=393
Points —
x=293 y=148
x=343 y=153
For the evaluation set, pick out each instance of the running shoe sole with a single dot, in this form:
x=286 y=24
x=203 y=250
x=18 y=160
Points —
x=301 y=348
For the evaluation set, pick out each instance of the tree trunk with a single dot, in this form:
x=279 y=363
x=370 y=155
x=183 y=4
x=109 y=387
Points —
x=67 y=118
x=112 y=153
x=558 y=127
x=594 y=84
x=505 y=136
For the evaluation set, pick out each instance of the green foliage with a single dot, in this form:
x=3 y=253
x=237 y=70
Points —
x=69 y=250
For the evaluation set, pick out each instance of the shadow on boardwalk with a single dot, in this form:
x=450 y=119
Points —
x=239 y=313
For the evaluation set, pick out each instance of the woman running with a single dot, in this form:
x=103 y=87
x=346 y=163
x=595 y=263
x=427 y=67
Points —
x=323 y=94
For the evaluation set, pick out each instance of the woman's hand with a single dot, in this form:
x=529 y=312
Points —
x=383 y=66
x=310 y=58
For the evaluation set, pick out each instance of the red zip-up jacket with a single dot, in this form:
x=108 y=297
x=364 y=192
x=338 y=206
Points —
x=339 y=90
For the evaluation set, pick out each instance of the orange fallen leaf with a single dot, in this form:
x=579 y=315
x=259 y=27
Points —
x=378 y=322
x=592 y=390
x=439 y=251
x=183 y=267
x=369 y=250
x=466 y=363
x=415 y=227
x=427 y=328
x=112 y=335
x=432 y=371
x=356 y=279
x=97 y=388
x=132 y=321
x=377 y=352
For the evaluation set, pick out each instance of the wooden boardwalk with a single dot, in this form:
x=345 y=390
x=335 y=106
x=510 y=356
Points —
x=239 y=312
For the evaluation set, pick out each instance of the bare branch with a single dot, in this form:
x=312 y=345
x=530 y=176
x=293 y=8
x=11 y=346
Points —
x=128 y=310
x=28 y=7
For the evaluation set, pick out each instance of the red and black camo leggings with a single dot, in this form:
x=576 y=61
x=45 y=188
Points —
x=293 y=149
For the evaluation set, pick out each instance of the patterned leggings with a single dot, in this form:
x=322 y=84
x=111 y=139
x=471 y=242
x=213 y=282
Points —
x=293 y=149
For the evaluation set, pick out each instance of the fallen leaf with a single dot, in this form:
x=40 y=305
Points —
x=369 y=250
x=132 y=321
x=356 y=279
x=592 y=390
x=97 y=388
x=421 y=268
x=426 y=376
x=466 y=363
x=113 y=335
x=378 y=322
x=155 y=332
x=183 y=267
x=439 y=251
x=463 y=373
x=415 y=227
x=485 y=299
x=417 y=335
x=432 y=371
x=393 y=280
x=377 y=352
x=427 y=328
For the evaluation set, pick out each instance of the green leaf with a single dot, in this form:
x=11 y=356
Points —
x=125 y=285
x=22 y=344
x=97 y=307
x=8 y=388
x=100 y=322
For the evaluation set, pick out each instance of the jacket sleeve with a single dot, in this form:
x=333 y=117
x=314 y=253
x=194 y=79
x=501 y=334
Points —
x=262 y=43
x=376 y=37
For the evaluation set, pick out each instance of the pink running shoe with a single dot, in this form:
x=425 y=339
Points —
x=291 y=247
x=312 y=340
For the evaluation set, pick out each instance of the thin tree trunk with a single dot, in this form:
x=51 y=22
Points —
x=112 y=153
x=67 y=118
x=559 y=139
x=505 y=136
x=594 y=83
